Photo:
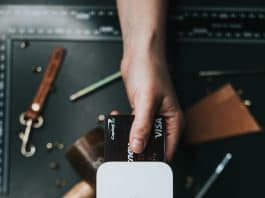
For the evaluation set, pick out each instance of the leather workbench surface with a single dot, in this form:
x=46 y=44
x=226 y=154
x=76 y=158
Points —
x=65 y=121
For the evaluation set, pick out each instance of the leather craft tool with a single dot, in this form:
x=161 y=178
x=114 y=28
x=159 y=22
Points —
x=95 y=86
x=85 y=156
x=202 y=74
x=32 y=117
x=231 y=72
x=219 y=169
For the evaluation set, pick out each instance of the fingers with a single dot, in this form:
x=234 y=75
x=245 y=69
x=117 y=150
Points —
x=114 y=112
x=174 y=125
x=142 y=124
x=144 y=112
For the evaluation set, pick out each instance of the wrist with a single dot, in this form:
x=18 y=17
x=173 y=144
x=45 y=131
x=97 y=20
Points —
x=147 y=64
x=144 y=59
x=144 y=46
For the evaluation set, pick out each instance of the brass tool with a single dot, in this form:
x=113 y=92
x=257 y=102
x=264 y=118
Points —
x=95 y=86
x=32 y=118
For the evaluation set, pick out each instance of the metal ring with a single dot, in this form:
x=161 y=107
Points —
x=37 y=124
x=22 y=119
x=28 y=152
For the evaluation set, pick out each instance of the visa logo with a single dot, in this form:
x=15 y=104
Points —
x=158 y=128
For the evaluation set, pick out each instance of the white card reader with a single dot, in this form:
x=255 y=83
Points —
x=134 y=180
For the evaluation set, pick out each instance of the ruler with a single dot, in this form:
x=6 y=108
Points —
x=229 y=24
x=3 y=118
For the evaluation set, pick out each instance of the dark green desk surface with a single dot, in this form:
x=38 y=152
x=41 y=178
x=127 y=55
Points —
x=88 y=61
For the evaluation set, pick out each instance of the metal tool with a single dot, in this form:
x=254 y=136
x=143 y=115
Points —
x=219 y=169
x=95 y=86
x=25 y=136
x=32 y=118
x=242 y=72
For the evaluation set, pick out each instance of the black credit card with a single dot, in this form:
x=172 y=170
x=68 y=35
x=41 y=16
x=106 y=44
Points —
x=117 y=148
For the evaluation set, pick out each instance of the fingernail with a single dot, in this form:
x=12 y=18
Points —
x=137 y=145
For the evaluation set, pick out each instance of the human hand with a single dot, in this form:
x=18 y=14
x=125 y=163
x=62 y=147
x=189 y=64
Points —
x=151 y=93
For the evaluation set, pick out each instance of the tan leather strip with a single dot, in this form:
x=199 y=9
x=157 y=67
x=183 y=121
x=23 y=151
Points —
x=219 y=115
x=83 y=155
x=55 y=61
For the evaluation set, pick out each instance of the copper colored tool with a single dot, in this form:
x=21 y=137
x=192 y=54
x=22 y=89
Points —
x=32 y=117
x=85 y=156
x=46 y=83
x=220 y=115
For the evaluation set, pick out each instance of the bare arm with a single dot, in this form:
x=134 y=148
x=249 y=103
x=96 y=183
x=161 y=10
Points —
x=145 y=73
x=143 y=26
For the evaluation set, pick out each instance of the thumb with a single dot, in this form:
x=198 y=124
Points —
x=142 y=124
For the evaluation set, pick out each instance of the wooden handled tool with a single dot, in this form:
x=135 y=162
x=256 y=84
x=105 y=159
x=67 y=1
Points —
x=85 y=156
x=81 y=190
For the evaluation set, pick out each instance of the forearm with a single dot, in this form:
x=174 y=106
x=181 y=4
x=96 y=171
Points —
x=143 y=27
x=144 y=72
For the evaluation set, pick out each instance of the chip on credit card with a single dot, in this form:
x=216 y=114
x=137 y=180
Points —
x=117 y=147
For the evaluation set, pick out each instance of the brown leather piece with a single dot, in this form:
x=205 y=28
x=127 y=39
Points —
x=51 y=71
x=219 y=115
x=84 y=154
